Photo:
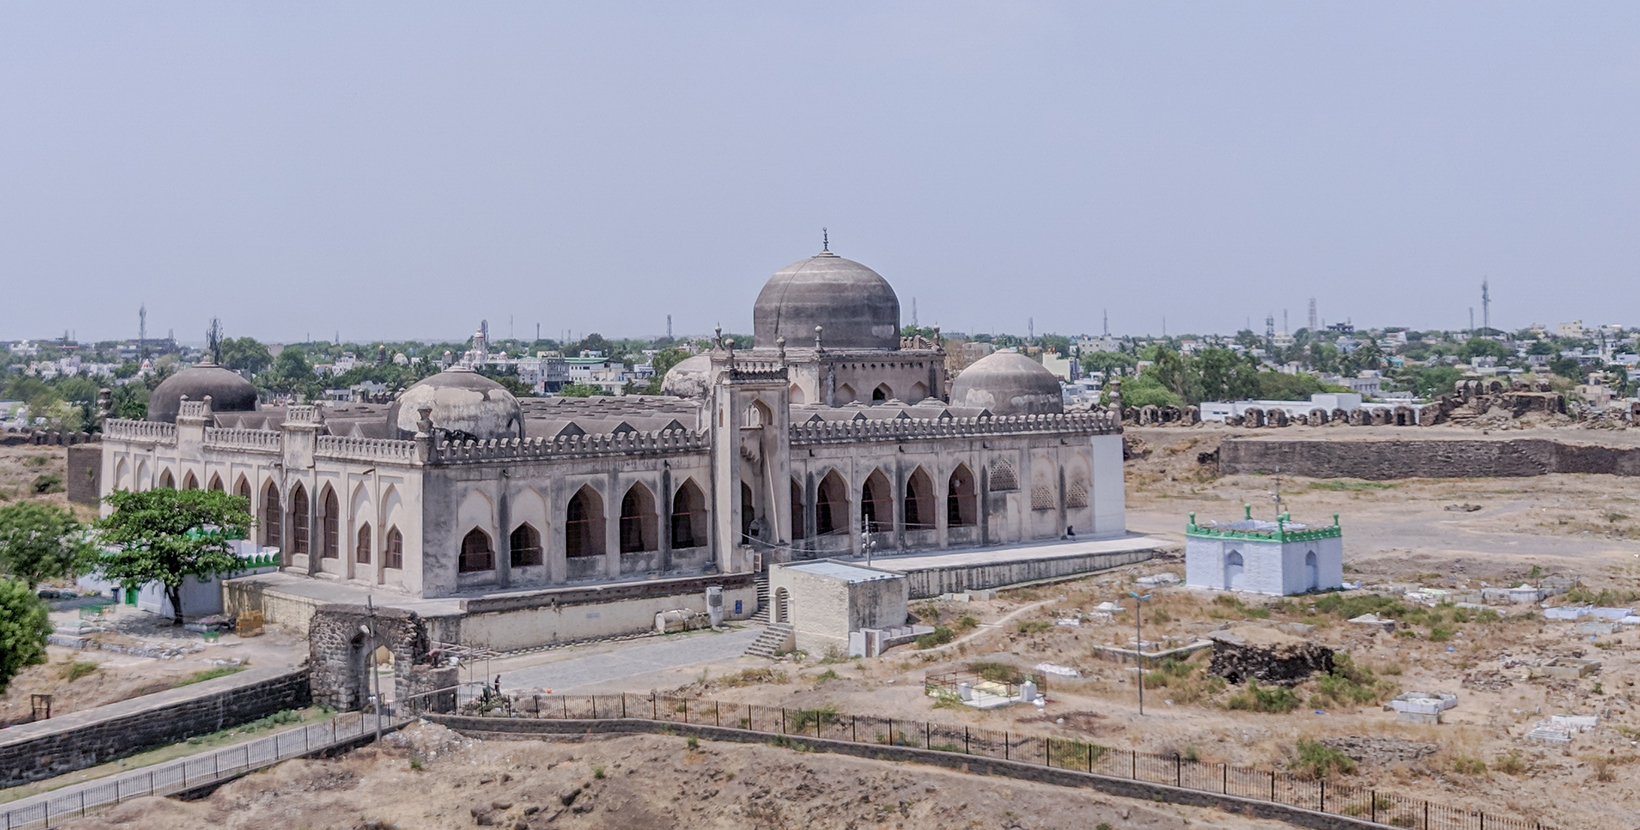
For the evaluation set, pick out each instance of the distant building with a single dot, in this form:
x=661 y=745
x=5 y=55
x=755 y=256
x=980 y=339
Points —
x=1279 y=558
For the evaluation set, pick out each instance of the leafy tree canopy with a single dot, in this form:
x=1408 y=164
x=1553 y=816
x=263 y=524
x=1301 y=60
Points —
x=40 y=542
x=165 y=536
x=24 y=626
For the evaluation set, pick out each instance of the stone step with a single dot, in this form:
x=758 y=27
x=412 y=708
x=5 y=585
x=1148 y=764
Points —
x=773 y=640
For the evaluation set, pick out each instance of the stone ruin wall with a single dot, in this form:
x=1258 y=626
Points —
x=1385 y=460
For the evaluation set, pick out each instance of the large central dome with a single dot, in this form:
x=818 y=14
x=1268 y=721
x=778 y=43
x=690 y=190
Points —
x=855 y=305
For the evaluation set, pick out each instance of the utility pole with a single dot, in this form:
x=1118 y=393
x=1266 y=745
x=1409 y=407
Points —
x=1139 y=643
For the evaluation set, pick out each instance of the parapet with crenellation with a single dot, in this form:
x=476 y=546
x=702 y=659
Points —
x=913 y=429
x=665 y=442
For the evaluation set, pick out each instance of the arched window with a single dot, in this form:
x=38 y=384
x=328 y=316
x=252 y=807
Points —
x=962 y=499
x=919 y=501
x=361 y=550
x=584 y=524
x=688 y=517
x=272 y=515
x=330 y=545
x=638 y=521
x=189 y=482
x=831 y=505
x=797 y=398
x=881 y=393
x=393 y=551
x=798 y=514
x=526 y=546
x=476 y=553
x=1312 y=572
x=243 y=490
x=299 y=508
x=918 y=391
x=166 y=482
x=845 y=394
x=216 y=484
x=877 y=503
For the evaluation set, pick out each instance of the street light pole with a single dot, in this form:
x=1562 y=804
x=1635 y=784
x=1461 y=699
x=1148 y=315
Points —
x=1139 y=643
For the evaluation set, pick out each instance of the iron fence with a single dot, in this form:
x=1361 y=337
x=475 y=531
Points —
x=193 y=772
x=1320 y=794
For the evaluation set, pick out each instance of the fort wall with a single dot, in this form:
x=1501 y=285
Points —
x=1381 y=460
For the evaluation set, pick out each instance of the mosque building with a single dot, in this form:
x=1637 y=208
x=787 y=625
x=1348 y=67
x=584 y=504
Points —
x=829 y=434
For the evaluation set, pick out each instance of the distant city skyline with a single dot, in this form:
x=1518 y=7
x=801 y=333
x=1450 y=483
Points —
x=389 y=170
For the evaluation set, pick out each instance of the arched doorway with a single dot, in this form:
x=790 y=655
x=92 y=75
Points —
x=1233 y=566
x=584 y=533
x=688 y=517
x=876 y=506
x=919 y=501
x=782 y=606
x=361 y=547
x=299 y=511
x=798 y=514
x=272 y=526
x=1312 y=572
x=831 y=505
x=748 y=513
x=638 y=521
x=962 y=499
x=330 y=543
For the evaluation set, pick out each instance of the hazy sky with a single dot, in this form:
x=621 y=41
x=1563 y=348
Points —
x=404 y=170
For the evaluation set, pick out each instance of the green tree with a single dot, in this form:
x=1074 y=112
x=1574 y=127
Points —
x=580 y=390
x=245 y=355
x=129 y=401
x=1109 y=363
x=24 y=626
x=1568 y=367
x=1147 y=390
x=166 y=536
x=40 y=542
x=1479 y=347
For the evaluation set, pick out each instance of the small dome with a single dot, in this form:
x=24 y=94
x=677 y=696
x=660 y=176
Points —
x=691 y=377
x=228 y=392
x=1008 y=383
x=856 y=306
x=464 y=404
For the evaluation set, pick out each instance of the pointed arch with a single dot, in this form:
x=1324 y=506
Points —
x=798 y=514
x=242 y=489
x=477 y=554
x=361 y=544
x=216 y=484
x=831 y=505
x=143 y=482
x=919 y=390
x=919 y=501
x=273 y=515
x=748 y=512
x=584 y=524
x=122 y=469
x=795 y=394
x=190 y=481
x=845 y=395
x=638 y=520
x=881 y=393
x=962 y=498
x=166 y=481
x=758 y=415
x=688 y=516
x=330 y=524
x=1234 y=566
x=877 y=503
x=299 y=512
x=525 y=545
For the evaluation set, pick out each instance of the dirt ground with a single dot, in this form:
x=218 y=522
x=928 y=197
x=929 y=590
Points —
x=429 y=778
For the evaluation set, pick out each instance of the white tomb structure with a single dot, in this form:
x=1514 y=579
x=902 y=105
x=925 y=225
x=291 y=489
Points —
x=1279 y=558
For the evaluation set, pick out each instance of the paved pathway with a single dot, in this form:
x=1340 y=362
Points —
x=669 y=653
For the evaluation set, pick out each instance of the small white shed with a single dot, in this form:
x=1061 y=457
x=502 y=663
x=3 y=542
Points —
x=1279 y=558
x=825 y=600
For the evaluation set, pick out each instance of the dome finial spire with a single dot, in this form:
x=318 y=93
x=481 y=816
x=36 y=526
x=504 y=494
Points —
x=825 y=241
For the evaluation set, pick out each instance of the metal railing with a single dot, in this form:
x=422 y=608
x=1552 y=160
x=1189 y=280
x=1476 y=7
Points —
x=1319 y=794
x=193 y=772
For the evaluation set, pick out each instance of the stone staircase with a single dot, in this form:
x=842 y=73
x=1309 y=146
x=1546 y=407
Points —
x=776 y=638
x=762 y=615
